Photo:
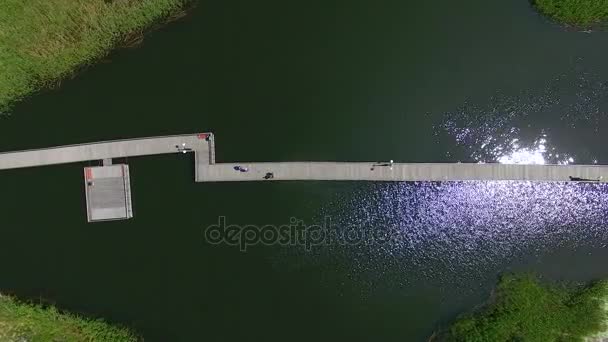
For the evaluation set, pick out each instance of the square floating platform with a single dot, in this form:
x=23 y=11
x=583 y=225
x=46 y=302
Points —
x=108 y=193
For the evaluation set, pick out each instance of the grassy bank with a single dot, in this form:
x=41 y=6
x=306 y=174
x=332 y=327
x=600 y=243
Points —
x=579 y=13
x=523 y=309
x=24 y=322
x=43 y=41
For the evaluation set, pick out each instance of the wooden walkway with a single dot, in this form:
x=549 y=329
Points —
x=108 y=190
x=203 y=146
x=399 y=172
x=105 y=150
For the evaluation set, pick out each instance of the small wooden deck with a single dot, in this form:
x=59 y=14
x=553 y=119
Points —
x=108 y=193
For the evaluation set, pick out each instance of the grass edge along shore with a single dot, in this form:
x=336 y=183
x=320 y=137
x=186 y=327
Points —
x=45 y=41
x=522 y=308
x=28 y=322
x=581 y=14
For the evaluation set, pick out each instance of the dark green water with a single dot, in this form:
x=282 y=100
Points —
x=307 y=80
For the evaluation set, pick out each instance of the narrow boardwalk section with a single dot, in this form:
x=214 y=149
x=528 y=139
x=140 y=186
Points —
x=398 y=172
x=105 y=150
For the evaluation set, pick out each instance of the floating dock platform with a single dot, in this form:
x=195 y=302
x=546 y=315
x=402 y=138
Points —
x=108 y=193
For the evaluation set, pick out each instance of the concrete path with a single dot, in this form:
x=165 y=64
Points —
x=399 y=172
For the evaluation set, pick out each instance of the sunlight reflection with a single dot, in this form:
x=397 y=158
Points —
x=535 y=154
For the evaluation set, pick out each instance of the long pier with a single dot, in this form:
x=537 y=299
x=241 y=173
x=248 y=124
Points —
x=397 y=172
x=207 y=170
x=108 y=194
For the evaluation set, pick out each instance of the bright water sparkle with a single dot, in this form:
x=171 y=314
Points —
x=456 y=230
x=459 y=229
x=523 y=128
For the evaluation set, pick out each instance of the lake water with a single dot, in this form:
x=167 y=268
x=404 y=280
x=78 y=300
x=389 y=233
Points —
x=317 y=80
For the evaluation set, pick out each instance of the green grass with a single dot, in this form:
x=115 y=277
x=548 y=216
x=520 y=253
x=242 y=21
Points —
x=44 y=41
x=523 y=309
x=579 y=13
x=25 y=322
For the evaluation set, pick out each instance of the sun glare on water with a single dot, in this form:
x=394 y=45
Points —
x=535 y=155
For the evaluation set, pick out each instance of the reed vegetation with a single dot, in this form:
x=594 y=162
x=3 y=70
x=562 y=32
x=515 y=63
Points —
x=524 y=309
x=27 y=322
x=44 y=41
x=577 y=13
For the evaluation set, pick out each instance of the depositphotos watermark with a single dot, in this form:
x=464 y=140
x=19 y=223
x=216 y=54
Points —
x=296 y=233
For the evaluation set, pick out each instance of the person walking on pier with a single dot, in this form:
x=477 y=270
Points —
x=183 y=148
x=579 y=179
x=389 y=164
